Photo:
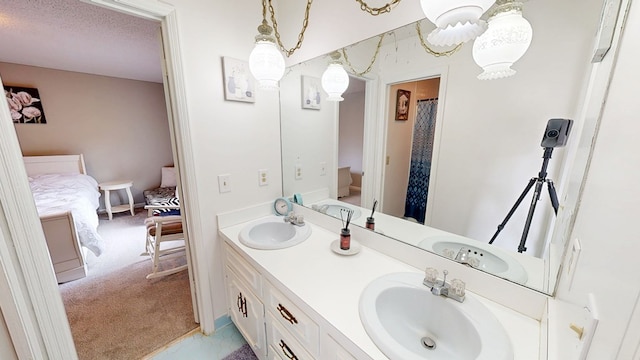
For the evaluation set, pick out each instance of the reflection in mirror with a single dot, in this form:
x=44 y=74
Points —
x=481 y=140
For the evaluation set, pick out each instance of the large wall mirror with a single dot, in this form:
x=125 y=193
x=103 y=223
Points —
x=482 y=139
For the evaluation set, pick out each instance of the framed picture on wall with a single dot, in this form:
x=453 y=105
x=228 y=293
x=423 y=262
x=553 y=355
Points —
x=403 y=98
x=25 y=105
x=311 y=92
x=239 y=84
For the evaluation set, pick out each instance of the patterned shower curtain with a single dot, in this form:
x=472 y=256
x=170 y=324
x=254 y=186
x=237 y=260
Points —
x=422 y=149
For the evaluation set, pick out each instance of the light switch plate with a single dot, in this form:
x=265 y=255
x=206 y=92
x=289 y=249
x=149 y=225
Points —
x=224 y=183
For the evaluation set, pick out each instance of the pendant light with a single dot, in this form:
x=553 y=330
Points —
x=457 y=21
x=335 y=79
x=266 y=61
x=505 y=41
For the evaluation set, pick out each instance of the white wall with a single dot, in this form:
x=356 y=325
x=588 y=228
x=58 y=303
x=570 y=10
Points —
x=119 y=125
x=335 y=23
x=229 y=137
x=606 y=222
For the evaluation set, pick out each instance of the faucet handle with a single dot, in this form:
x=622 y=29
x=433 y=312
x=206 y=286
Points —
x=458 y=286
x=431 y=275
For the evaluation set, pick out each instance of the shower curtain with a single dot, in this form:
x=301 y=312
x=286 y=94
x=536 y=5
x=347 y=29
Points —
x=421 y=151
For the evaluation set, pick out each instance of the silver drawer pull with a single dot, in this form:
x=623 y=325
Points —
x=287 y=352
x=286 y=314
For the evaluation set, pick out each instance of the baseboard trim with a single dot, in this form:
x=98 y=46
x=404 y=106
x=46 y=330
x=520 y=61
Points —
x=221 y=322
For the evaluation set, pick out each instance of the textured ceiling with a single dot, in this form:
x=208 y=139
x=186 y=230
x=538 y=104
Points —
x=75 y=36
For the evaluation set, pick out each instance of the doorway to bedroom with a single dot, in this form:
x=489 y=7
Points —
x=351 y=141
x=120 y=123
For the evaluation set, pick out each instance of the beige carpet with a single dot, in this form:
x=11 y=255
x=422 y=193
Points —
x=122 y=315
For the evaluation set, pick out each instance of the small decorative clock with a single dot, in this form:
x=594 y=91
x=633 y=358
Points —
x=282 y=206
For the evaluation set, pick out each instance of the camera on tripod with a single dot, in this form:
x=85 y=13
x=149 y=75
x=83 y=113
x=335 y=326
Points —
x=557 y=133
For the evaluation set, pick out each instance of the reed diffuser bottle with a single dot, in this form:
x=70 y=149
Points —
x=371 y=224
x=345 y=233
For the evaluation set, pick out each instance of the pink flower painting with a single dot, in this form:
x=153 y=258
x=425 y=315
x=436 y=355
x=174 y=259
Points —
x=25 y=105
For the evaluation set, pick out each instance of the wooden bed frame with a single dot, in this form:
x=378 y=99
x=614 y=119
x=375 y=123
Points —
x=65 y=250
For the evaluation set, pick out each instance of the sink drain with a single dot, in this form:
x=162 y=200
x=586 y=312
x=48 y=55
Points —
x=428 y=343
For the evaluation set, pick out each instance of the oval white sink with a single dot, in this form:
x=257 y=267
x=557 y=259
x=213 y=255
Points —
x=273 y=233
x=398 y=312
x=335 y=211
x=488 y=258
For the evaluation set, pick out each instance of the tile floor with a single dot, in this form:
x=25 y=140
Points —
x=198 y=346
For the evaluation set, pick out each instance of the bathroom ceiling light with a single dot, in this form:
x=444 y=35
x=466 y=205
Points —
x=335 y=79
x=505 y=41
x=457 y=21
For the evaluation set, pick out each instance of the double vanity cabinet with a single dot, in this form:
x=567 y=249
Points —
x=303 y=302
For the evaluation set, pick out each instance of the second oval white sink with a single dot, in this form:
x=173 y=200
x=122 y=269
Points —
x=400 y=314
x=272 y=233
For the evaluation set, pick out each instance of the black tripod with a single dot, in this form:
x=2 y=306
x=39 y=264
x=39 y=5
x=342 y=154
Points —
x=542 y=178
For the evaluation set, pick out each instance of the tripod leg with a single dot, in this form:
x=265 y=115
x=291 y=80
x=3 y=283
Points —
x=513 y=209
x=553 y=196
x=532 y=209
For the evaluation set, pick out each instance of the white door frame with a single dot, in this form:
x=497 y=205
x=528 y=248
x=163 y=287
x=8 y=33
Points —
x=32 y=303
x=375 y=141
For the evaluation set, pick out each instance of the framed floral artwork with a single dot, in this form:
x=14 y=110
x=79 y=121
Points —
x=403 y=99
x=25 y=105
x=239 y=84
x=311 y=98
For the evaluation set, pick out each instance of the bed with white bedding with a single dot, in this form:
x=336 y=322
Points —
x=78 y=193
x=66 y=199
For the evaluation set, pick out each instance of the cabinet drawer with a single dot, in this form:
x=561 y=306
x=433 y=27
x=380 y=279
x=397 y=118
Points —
x=290 y=317
x=244 y=270
x=283 y=343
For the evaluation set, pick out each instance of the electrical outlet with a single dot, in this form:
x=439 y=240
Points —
x=224 y=183
x=263 y=177
x=323 y=168
x=298 y=172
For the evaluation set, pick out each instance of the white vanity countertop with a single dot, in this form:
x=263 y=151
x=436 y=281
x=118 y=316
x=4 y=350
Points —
x=331 y=284
x=412 y=233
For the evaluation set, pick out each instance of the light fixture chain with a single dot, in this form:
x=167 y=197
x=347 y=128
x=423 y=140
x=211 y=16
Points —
x=373 y=60
x=431 y=51
x=305 y=23
x=377 y=11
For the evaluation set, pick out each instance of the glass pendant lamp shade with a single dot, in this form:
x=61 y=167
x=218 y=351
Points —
x=335 y=80
x=266 y=64
x=456 y=21
x=505 y=42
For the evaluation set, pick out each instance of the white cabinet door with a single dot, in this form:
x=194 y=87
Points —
x=247 y=312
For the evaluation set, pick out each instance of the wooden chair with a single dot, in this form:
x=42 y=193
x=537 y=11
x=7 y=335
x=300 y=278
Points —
x=165 y=240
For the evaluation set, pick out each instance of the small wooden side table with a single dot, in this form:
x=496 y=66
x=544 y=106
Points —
x=107 y=187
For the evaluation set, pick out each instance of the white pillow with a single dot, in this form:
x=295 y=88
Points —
x=168 y=177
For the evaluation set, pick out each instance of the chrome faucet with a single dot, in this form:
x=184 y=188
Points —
x=464 y=257
x=294 y=219
x=454 y=290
